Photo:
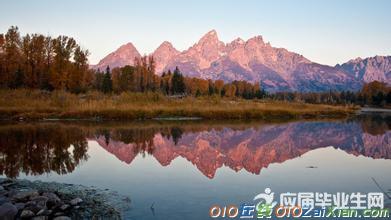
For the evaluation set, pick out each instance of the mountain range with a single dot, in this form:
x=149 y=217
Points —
x=254 y=60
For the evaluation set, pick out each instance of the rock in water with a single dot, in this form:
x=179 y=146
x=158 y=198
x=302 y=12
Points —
x=8 y=211
x=3 y=200
x=52 y=197
x=20 y=205
x=25 y=195
x=76 y=201
x=44 y=212
x=65 y=207
x=40 y=201
x=62 y=218
x=27 y=214
x=40 y=218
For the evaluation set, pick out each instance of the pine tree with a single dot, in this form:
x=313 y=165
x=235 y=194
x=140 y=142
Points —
x=211 y=88
x=178 y=84
x=19 y=79
x=107 y=86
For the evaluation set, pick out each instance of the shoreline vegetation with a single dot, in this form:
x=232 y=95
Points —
x=24 y=104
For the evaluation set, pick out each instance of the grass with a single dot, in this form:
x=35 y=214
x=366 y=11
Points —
x=35 y=104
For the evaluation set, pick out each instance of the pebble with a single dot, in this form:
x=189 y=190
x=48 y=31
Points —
x=76 y=201
x=30 y=204
x=12 y=192
x=40 y=201
x=44 y=211
x=3 y=200
x=59 y=214
x=27 y=214
x=65 y=207
x=25 y=195
x=20 y=205
x=51 y=197
x=62 y=218
x=40 y=218
x=8 y=211
x=32 y=207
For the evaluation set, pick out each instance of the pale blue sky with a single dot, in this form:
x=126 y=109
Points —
x=328 y=32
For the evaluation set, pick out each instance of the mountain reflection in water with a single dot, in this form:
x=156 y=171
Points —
x=38 y=148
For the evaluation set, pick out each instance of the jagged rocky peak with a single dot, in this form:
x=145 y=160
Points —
x=166 y=45
x=166 y=49
x=124 y=55
x=208 y=49
x=369 y=69
x=356 y=60
x=127 y=46
x=256 y=40
x=239 y=41
x=164 y=54
x=210 y=36
x=210 y=39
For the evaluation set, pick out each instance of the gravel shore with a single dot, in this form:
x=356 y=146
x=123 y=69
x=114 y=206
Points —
x=23 y=199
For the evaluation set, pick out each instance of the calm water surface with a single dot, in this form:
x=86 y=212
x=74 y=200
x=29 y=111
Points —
x=183 y=168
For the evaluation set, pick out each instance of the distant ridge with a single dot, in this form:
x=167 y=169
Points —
x=277 y=69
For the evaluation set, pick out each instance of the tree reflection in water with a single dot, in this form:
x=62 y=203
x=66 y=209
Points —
x=142 y=139
x=39 y=149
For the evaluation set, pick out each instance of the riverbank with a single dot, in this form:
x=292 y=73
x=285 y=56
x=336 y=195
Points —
x=375 y=110
x=23 y=199
x=40 y=105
